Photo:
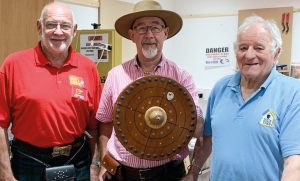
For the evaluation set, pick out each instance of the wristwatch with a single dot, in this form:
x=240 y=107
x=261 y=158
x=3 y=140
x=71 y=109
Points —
x=96 y=163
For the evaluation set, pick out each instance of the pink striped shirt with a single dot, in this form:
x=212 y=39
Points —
x=118 y=78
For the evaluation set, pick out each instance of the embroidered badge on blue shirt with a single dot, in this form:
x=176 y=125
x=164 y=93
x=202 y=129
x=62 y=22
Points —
x=268 y=119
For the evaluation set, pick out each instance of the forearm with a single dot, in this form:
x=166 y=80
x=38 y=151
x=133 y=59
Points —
x=105 y=130
x=201 y=153
x=291 y=171
x=93 y=144
x=196 y=163
x=5 y=167
x=199 y=128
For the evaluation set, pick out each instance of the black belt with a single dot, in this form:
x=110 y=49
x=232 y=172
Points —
x=54 y=151
x=147 y=173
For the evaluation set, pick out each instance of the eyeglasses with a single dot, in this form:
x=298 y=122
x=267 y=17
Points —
x=54 y=25
x=153 y=29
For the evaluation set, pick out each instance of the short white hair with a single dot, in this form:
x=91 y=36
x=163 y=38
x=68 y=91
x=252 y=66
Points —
x=269 y=25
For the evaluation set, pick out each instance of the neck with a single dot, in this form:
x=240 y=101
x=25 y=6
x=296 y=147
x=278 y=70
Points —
x=56 y=59
x=148 y=65
x=249 y=86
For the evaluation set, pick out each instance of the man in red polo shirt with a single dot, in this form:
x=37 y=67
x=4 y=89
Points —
x=50 y=95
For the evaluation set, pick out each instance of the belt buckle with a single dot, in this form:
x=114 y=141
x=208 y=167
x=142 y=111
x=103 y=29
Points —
x=61 y=150
x=143 y=172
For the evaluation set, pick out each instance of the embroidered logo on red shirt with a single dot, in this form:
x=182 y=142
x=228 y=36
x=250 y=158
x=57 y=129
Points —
x=78 y=90
x=75 y=80
x=80 y=93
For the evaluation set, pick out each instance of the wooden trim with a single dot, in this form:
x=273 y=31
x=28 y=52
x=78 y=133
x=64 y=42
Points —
x=92 y=3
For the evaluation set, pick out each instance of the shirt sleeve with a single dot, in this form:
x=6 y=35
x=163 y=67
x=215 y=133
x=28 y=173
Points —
x=289 y=129
x=4 y=100
x=105 y=109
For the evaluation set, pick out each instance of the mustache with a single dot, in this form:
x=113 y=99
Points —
x=148 y=41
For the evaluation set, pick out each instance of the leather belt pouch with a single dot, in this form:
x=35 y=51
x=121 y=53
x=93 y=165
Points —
x=112 y=166
x=60 y=173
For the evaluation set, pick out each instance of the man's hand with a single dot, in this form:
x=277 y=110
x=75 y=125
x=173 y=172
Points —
x=8 y=178
x=94 y=173
x=5 y=167
x=104 y=175
x=190 y=177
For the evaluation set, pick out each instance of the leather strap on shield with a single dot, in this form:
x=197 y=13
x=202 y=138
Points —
x=154 y=117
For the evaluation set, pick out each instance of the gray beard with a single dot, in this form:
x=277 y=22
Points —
x=150 y=53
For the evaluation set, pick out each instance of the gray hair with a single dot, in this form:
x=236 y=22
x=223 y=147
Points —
x=268 y=25
x=45 y=8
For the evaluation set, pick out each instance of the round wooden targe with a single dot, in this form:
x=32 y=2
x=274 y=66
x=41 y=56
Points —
x=154 y=117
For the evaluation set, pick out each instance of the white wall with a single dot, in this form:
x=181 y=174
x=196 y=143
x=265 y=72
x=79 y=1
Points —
x=111 y=11
x=212 y=23
x=84 y=15
x=187 y=48
x=185 y=7
x=296 y=38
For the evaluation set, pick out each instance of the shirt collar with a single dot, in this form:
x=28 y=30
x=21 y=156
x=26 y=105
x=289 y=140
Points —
x=235 y=80
x=41 y=59
x=160 y=64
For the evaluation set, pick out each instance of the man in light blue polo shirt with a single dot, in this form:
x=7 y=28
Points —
x=253 y=117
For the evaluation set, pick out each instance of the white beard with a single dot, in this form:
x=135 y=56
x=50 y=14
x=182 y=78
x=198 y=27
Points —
x=150 y=52
x=62 y=47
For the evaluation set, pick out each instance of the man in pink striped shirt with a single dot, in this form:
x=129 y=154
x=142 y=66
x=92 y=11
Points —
x=148 y=27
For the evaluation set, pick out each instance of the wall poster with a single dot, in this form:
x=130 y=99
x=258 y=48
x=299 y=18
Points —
x=95 y=46
x=217 y=57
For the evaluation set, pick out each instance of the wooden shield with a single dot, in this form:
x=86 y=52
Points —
x=154 y=117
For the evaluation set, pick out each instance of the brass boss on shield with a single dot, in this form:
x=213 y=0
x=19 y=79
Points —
x=154 y=117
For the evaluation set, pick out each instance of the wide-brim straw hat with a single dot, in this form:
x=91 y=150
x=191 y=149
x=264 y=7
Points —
x=149 y=8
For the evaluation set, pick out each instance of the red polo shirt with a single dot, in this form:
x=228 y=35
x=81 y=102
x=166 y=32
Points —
x=48 y=106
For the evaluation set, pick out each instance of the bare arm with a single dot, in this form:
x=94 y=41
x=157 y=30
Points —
x=5 y=168
x=93 y=144
x=291 y=170
x=105 y=130
x=201 y=152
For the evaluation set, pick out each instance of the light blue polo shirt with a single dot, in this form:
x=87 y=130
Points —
x=250 y=138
